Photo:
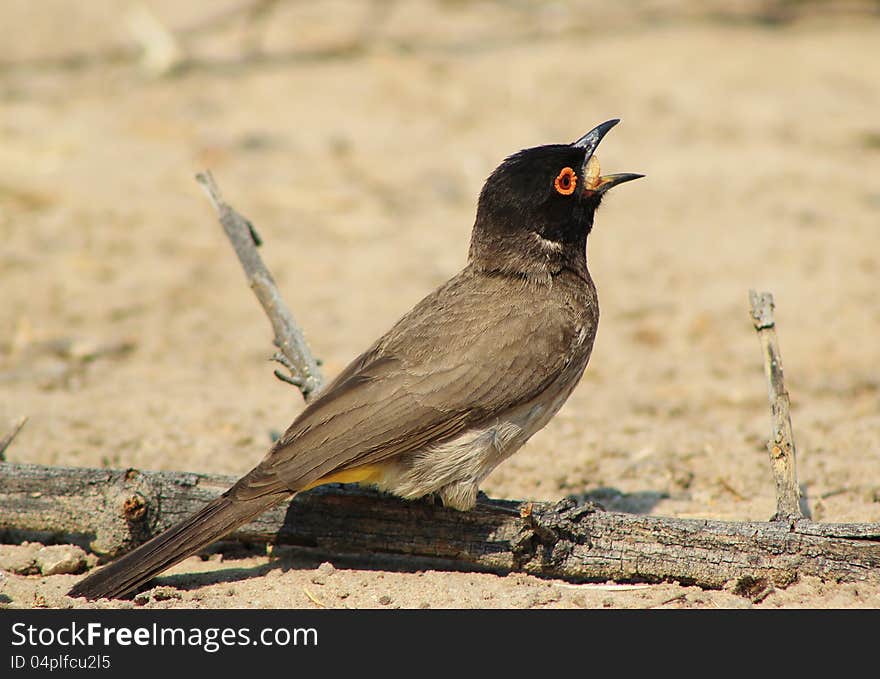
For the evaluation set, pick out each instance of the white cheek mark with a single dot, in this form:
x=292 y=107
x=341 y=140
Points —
x=546 y=244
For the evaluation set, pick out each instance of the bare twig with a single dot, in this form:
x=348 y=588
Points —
x=6 y=440
x=315 y=600
x=289 y=338
x=781 y=444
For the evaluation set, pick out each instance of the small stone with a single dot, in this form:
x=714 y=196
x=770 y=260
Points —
x=19 y=559
x=161 y=593
x=385 y=600
x=61 y=559
x=164 y=593
x=322 y=572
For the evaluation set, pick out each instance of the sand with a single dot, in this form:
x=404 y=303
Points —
x=129 y=338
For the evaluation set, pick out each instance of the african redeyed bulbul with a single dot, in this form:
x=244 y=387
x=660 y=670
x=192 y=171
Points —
x=457 y=385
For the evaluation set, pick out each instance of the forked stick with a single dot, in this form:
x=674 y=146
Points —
x=294 y=353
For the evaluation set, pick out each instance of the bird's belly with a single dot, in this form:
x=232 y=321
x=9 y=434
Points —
x=468 y=458
x=455 y=468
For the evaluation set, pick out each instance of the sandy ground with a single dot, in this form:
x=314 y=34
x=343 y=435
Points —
x=358 y=145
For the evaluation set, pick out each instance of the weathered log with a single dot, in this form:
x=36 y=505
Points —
x=110 y=510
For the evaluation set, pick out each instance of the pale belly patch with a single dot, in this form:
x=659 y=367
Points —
x=455 y=468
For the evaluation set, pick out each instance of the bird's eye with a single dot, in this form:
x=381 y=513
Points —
x=565 y=181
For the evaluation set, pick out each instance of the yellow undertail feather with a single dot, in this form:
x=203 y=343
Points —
x=367 y=474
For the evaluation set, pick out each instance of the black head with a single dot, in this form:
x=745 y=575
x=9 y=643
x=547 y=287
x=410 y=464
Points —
x=536 y=209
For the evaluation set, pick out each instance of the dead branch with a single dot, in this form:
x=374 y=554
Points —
x=111 y=509
x=781 y=444
x=7 y=439
x=295 y=353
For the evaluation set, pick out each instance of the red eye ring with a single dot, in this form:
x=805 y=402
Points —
x=566 y=181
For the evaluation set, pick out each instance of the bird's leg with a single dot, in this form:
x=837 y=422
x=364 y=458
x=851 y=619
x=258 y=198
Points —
x=431 y=499
x=461 y=495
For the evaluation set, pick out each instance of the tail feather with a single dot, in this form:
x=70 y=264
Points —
x=215 y=520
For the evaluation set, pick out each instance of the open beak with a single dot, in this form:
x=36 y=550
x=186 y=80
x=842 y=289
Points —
x=594 y=183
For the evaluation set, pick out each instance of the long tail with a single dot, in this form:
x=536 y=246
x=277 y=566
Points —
x=215 y=520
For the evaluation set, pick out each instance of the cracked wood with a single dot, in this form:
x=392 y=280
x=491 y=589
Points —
x=95 y=507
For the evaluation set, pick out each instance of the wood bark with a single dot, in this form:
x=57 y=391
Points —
x=111 y=510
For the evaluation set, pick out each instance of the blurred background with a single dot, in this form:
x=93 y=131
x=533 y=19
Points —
x=356 y=136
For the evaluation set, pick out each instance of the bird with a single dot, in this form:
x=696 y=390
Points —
x=456 y=386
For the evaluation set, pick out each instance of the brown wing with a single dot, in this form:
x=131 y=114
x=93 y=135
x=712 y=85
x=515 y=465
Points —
x=465 y=354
